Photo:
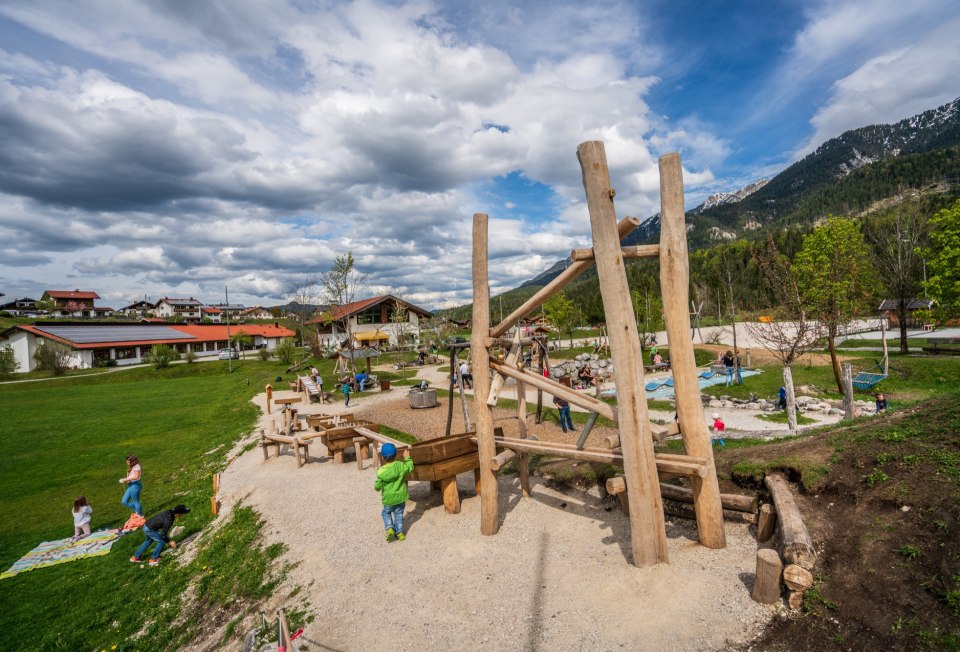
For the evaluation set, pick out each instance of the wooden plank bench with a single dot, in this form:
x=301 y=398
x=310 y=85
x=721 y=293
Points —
x=441 y=460
x=340 y=438
x=301 y=448
x=310 y=389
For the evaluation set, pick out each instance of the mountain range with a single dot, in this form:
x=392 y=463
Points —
x=844 y=175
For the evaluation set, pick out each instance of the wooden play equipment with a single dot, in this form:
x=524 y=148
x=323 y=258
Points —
x=641 y=467
x=338 y=435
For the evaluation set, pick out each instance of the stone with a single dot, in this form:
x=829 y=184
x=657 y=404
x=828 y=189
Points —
x=833 y=410
x=714 y=403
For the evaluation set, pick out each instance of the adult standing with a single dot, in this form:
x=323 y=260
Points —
x=131 y=497
x=563 y=407
x=466 y=376
x=728 y=365
x=736 y=364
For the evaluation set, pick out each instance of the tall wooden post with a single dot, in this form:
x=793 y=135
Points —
x=675 y=287
x=489 y=518
x=524 y=457
x=791 y=406
x=647 y=529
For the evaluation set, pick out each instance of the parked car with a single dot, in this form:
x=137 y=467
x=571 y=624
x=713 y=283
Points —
x=227 y=354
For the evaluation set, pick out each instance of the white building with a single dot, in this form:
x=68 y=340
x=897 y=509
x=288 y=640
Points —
x=371 y=322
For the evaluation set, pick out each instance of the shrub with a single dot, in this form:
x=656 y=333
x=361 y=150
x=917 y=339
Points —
x=264 y=354
x=162 y=355
x=286 y=351
x=99 y=364
x=190 y=357
x=53 y=357
x=8 y=362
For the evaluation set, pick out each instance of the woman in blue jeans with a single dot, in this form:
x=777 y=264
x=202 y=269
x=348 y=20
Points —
x=131 y=497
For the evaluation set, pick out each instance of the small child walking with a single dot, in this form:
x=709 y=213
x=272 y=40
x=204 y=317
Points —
x=718 y=428
x=81 y=518
x=346 y=394
x=392 y=483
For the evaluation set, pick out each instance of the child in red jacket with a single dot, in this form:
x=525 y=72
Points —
x=718 y=428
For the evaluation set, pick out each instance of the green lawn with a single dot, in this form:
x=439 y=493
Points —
x=69 y=436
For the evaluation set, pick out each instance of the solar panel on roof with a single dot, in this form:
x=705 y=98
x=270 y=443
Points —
x=114 y=333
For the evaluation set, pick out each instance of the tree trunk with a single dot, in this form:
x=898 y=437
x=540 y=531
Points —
x=834 y=361
x=902 y=316
x=791 y=399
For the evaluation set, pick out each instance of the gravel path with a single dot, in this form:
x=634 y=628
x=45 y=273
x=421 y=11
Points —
x=555 y=577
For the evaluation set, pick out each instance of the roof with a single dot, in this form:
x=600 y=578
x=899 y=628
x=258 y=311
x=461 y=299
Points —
x=348 y=309
x=138 y=305
x=371 y=335
x=179 y=302
x=71 y=294
x=211 y=310
x=95 y=336
x=912 y=304
x=247 y=311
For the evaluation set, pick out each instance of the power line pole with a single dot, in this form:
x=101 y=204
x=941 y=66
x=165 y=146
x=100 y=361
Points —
x=226 y=297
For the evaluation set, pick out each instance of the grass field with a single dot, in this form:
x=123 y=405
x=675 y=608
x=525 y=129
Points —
x=69 y=436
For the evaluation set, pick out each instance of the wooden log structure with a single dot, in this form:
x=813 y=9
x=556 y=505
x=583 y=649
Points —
x=625 y=227
x=489 y=516
x=634 y=252
x=735 y=502
x=795 y=540
x=496 y=385
x=675 y=288
x=766 y=585
x=301 y=449
x=687 y=510
x=767 y=522
x=797 y=578
x=554 y=388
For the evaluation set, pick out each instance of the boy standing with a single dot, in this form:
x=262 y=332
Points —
x=392 y=483
x=346 y=394
x=157 y=531
x=718 y=428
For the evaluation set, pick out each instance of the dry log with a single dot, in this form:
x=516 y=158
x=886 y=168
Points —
x=797 y=578
x=766 y=585
x=795 y=599
x=797 y=546
x=502 y=459
x=735 y=502
x=630 y=252
x=767 y=522
x=687 y=510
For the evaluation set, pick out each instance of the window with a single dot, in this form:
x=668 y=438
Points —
x=125 y=353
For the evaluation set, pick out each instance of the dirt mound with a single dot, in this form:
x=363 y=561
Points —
x=882 y=500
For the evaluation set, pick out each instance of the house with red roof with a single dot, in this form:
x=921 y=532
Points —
x=95 y=344
x=370 y=322
x=173 y=308
x=74 y=304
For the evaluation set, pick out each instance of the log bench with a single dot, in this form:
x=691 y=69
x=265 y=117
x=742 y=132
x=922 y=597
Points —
x=338 y=439
x=441 y=460
x=301 y=448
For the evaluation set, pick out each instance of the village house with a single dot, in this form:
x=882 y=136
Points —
x=74 y=304
x=137 y=310
x=25 y=306
x=255 y=312
x=186 y=309
x=211 y=314
x=370 y=323
x=94 y=344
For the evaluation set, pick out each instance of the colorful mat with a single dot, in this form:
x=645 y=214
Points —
x=50 y=553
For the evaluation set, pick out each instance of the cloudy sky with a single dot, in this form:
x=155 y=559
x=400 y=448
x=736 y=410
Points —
x=171 y=147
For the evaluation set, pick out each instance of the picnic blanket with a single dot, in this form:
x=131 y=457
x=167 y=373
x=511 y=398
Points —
x=61 y=551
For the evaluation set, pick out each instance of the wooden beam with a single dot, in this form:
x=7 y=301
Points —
x=686 y=510
x=502 y=459
x=377 y=437
x=735 y=502
x=554 y=388
x=648 y=537
x=634 y=252
x=487 y=449
x=767 y=523
x=624 y=228
x=766 y=583
x=496 y=385
x=522 y=426
x=675 y=287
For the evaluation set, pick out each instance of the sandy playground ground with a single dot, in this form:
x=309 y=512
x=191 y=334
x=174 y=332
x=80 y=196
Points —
x=557 y=575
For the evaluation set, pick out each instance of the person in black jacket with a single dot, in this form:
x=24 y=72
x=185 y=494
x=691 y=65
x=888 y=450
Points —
x=157 y=530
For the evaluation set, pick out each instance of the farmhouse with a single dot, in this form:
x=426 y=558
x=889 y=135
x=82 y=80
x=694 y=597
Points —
x=186 y=309
x=75 y=304
x=95 y=344
x=371 y=322
x=215 y=315
x=137 y=309
x=255 y=312
x=22 y=306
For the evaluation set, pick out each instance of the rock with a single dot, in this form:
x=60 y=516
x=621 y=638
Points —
x=811 y=407
x=714 y=403
x=803 y=400
x=833 y=410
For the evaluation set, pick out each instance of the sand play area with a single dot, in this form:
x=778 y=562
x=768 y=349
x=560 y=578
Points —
x=556 y=577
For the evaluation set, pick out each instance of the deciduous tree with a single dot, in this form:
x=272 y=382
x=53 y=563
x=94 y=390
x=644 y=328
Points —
x=943 y=260
x=836 y=278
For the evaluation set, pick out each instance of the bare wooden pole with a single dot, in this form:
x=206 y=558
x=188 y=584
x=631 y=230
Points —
x=791 y=406
x=453 y=361
x=487 y=449
x=648 y=536
x=624 y=228
x=522 y=424
x=675 y=287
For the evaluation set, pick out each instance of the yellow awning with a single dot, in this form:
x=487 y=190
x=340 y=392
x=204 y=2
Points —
x=374 y=335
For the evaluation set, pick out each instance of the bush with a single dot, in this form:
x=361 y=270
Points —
x=286 y=351
x=8 y=362
x=190 y=357
x=264 y=354
x=162 y=355
x=53 y=357
x=99 y=364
